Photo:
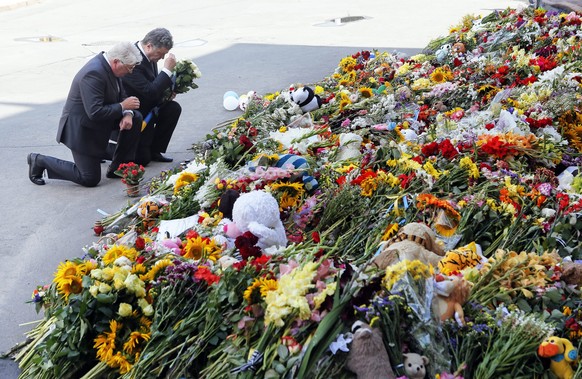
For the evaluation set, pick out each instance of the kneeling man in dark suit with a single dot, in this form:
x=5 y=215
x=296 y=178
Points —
x=96 y=105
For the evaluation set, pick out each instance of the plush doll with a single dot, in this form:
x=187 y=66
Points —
x=258 y=212
x=306 y=99
x=451 y=293
x=297 y=162
x=562 y=355
x=463 y=257
x=415 y=241
x=415 y=365
x=368 y=357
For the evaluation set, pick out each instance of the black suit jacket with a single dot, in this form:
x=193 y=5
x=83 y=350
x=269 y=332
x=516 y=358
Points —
x=92 y=109
x=145 y=83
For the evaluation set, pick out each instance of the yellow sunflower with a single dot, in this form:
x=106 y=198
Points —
x=75 y=286
x=268 y=285
x=135 y=341
x=287 y=201
x=183 y=180
x=201 y=248
x=117 y=251
x=295 y=188
x=119 y=361
x=251 y=290
x=105 y=342
x=159 y=266
x=347 y=64
x=441 y=75
x=366 y=92
x=66 y=272
x=390 y=231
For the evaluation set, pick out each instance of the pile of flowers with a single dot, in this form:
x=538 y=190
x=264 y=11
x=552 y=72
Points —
x=479 y=137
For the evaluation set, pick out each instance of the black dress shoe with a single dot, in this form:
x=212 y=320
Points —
x=34 y=171
x=111 y=174
x=158 y=157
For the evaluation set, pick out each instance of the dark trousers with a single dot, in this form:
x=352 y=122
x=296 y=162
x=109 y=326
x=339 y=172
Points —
x=156 y=137
x=86 y=169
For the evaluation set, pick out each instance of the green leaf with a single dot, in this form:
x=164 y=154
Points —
x=283 y=352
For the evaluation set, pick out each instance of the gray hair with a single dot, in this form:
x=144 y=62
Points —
x=159 y=38
x=126 y=52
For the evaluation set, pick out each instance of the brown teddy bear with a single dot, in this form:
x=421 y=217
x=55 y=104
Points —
x=368 y=358
x=415 y=241
x=415 y=365
x=572 y=273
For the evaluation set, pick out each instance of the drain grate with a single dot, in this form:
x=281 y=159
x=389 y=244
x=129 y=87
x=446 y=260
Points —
x=340 y=21
x=48 y=38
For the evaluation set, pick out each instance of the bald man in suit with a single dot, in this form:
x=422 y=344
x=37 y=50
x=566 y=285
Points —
x=96 y=105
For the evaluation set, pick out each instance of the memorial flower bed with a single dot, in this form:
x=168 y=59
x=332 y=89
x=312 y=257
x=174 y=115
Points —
x=478 y=138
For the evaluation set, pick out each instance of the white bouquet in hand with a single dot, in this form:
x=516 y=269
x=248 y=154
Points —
x=185 y=73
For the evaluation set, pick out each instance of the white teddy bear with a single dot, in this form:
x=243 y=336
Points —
x=258 y=212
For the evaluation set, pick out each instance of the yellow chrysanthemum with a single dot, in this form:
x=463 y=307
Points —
x=431 y=170
x=272 y=96
x=416 y=269
x=421 y=84
x=117 y=251
x=468 y=164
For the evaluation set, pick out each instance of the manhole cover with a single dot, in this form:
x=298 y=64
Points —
x=192 y=43
x=340 y=21
x=40 y=39
x=100 y=43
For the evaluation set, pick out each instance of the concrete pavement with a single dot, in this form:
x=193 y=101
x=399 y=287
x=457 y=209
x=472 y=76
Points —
x=258 y=45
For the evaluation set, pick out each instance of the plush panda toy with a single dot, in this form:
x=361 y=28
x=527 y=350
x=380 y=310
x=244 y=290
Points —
x=306 y=99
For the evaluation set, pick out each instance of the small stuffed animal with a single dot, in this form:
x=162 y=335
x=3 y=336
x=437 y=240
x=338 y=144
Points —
x=460 y=258
x=258 y=212
x=306 y=99
x=415 y=365
x=562 y=355
x=368 y=357
x=415 y=241
x=297 y=162
x=572 y=273
x=451 y=293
